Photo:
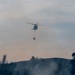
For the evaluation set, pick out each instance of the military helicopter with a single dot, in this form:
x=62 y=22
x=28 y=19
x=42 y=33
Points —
x=35 y=27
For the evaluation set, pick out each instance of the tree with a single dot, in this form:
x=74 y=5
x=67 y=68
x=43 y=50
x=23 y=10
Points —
x=73 y=55
x=4 y=59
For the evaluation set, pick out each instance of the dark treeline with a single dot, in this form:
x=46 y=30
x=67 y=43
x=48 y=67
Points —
x=52 y=66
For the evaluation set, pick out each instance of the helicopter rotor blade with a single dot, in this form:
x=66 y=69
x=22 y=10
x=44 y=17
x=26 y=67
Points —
x=37 y=23
x=41 y=25
x=30 y=23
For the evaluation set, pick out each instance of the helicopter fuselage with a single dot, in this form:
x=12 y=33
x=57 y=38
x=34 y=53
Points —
x=35 y=27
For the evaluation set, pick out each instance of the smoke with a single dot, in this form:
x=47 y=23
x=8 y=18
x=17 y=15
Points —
x=41 y=67
x=45 y=70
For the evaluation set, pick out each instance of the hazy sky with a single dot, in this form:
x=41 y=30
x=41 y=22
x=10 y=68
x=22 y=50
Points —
x=55 y=39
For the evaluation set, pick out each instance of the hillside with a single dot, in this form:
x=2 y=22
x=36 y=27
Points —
x=49 y=66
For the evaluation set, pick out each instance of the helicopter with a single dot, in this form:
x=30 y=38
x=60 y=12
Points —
x=35 y=27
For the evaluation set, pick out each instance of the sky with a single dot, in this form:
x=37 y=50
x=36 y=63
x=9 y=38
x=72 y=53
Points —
x=55 y=38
